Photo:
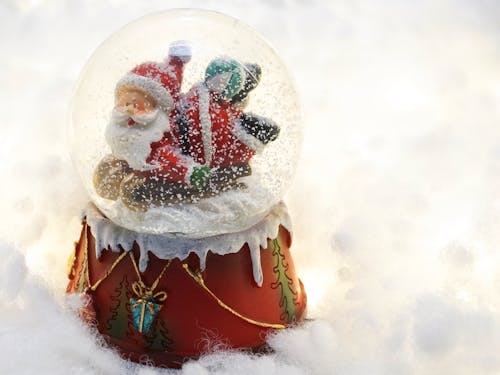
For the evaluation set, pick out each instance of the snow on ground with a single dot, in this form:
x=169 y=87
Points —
x=396 y=201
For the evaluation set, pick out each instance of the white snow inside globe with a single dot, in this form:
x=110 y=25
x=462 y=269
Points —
x=185 y=123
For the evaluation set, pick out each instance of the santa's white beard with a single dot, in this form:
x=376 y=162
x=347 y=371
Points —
x=133 y=143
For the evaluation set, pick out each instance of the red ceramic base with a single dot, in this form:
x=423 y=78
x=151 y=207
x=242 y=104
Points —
x=218 y=308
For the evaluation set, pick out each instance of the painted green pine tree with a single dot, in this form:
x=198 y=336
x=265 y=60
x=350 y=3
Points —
x=288 y=295
x=119 y=325
x=158 y=339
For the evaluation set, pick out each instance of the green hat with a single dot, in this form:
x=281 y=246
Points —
x=225 y=76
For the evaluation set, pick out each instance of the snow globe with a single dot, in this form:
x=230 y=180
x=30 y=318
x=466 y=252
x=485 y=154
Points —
x=185 y=130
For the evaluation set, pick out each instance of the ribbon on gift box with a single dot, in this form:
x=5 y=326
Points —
x=146 y=306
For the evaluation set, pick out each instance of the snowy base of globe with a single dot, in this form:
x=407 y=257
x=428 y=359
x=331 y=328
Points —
x=228 y=212
x=186 y=297
x=109 y=235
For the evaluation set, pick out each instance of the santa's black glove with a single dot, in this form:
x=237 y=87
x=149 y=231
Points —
x=264 y=129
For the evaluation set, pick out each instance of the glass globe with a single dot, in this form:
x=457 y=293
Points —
x=185 y=123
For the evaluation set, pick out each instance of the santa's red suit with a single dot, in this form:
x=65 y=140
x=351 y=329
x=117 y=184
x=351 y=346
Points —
x=207 y=140
x=207 y=130
x=167 y=161
x=163 y=82
x=214 y=134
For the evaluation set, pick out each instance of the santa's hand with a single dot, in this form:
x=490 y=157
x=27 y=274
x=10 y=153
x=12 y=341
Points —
x=199 y=177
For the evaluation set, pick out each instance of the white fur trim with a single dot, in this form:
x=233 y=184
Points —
x=133 y=144
x=188 y=174
x=248 y=139
x=155 y=89
x=205 y=122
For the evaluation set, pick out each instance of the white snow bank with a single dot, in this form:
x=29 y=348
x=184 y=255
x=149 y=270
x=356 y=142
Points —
x=395 y=206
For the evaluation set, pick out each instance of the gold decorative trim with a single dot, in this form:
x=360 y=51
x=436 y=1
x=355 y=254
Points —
x=108 y=272
x=146 y=296
x=155 y=284
x=196 y=275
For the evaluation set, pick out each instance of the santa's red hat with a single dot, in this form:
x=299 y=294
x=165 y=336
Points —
x=160 y=80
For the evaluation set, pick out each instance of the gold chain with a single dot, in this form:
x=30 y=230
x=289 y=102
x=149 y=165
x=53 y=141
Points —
x=155 y=283
x=195 y=275
x=116 y=262
x=108 y=272
x=199 y=279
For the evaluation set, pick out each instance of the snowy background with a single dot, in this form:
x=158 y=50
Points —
x=396 y=203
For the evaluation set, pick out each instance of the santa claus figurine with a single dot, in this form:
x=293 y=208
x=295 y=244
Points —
x=144 y=110
x=169 y=147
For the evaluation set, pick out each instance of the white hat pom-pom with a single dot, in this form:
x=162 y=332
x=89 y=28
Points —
x=180 y=49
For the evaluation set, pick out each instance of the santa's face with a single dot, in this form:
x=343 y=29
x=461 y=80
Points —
x=134 y=125
x=135 y=102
